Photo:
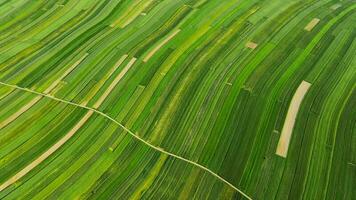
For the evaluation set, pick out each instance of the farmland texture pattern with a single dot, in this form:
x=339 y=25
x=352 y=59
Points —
x=177 y=99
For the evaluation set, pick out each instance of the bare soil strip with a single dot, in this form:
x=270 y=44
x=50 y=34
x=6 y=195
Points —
x=288 y=126
x=151 y=53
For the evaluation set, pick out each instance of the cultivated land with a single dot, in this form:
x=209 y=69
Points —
x=177 y=99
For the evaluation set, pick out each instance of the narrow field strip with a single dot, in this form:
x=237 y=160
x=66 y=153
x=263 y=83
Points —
x=335 y=6
x=28 y=168
x=159 y=46
x=19 y=112
x=117 y=79
x=131 y=14
x=284 y=140
x=69 y=70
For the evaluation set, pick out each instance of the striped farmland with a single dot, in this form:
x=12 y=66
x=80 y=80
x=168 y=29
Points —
x=177 y=99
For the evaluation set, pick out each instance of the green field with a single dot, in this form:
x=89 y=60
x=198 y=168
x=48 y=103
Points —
x=178 y=99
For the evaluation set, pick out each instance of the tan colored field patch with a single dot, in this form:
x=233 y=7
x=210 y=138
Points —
x=251 y=45
x=312 y=24
x=288 y=126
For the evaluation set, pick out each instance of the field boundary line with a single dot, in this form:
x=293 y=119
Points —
x=131 y=133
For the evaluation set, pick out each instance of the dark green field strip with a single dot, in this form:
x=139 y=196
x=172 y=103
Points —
x=334 y=102
x=270 y=127
x=342 y=168
x=210 y=81
x=10 y=147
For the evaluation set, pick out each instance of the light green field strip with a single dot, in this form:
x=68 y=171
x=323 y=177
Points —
x=37 y=34
x=326 y=128
x=336 y=6
x=16 y=31
x=47 y=91
x=128 y=131
x=4 y=93
x=9 y=6
x=286 y=134
x=9 y=23
x=133 y=11
x=301 y=58
x=169 y=63
x=148 y=182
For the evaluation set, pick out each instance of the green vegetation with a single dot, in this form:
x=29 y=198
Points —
x=177 y=99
